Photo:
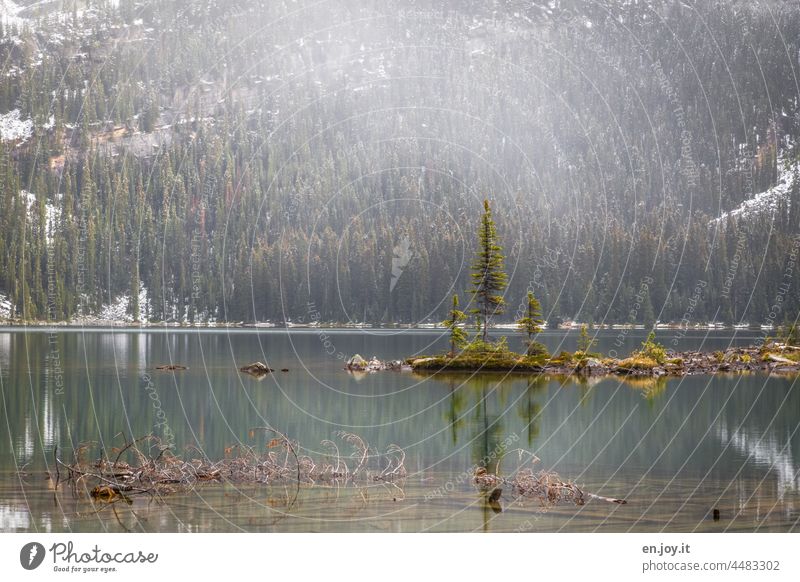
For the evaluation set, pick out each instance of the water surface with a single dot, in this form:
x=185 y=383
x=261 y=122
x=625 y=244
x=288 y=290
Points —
x=675 y=449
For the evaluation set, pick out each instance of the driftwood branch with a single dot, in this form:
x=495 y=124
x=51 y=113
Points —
x=545 y=487
x=163 y=473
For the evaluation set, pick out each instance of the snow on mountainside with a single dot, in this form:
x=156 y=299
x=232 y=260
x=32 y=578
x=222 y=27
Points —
x=52 y=213
x=13 y=128
x=768 y=200
x=5 y=307
x=116 y=312
x=9 y=13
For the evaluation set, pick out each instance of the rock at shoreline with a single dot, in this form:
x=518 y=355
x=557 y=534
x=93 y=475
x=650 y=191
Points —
x=257 y=369
x=359 y=364
x=781 y=360
x=356 y=363
x=594 y=367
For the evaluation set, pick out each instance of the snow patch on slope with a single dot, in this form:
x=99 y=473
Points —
x=13 y=128
x=117 y=310
x=52 y=213
x=9 y=13
x=6 y=307
x=768 y=200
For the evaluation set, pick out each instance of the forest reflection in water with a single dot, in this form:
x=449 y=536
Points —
x=674 y=448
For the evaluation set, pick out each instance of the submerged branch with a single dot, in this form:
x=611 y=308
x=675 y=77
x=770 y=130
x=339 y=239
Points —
x=545 y=487
x=156 y=471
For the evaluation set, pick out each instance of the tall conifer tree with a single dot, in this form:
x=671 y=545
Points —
x=488 y=275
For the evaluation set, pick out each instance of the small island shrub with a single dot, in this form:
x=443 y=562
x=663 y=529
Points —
x=653 y=350
x=536 y=349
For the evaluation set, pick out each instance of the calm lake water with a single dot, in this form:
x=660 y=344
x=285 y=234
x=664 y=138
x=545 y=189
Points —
x=675 y=449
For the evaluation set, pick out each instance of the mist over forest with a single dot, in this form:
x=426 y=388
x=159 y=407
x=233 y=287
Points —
x=227 y=161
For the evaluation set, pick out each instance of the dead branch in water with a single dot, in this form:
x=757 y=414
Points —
x=153 y=470
x=545 y=487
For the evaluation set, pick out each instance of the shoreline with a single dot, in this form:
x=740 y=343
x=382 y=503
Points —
x=772 y=358
x=502 y=328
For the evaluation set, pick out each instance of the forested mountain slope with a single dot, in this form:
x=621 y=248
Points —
x=326 y=160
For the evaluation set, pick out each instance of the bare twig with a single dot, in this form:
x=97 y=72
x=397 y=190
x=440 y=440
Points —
x=58 y=473
x=111 y=481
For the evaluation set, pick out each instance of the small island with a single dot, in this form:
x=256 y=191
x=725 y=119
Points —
x=480 y=353
x=652 y=359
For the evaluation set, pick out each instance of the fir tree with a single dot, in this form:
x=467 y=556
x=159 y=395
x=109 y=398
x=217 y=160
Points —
x=585 y=341
x=488 y=277
x=532 y=323
x=458 y=337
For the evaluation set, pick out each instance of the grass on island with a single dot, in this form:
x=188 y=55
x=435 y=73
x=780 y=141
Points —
x=496 y=356
x=638 y=362
x=485 y=362
x=478 y=355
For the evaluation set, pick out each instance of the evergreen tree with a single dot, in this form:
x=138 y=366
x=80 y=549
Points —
x=458 y=337
x=488 y=276
x=532 y=323
x=585 y=341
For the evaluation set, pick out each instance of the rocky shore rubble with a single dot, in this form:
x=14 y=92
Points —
x=359 y=364
x=772 y=358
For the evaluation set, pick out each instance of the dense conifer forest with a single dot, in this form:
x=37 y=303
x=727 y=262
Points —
x=276 y=160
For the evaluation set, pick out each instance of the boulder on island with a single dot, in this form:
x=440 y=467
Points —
x=356 y=363
x=375 y=365
x=593 y=367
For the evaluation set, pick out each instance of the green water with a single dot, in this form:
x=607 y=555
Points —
x=674 y=448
